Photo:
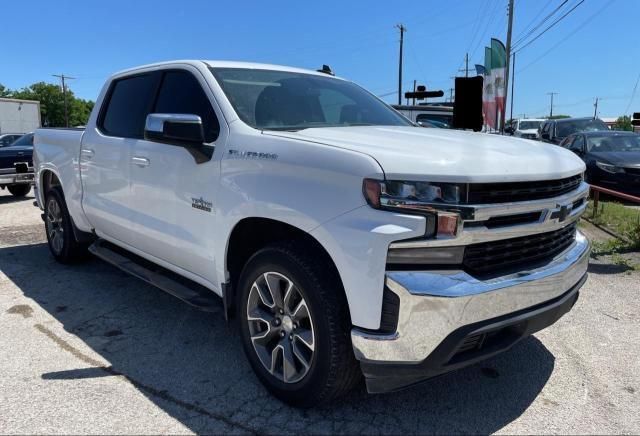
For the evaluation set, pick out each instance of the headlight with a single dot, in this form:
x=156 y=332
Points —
x=609 y=168
x=438 y=202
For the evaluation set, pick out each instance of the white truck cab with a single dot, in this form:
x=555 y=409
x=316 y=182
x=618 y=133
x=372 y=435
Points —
x=526 y=127
x=345 y=240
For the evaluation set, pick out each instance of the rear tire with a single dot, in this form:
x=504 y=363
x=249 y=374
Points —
x=19 y=190
x=59 y=229
x=301 y=348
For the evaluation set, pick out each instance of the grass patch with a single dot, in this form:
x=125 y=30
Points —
x=621 y=220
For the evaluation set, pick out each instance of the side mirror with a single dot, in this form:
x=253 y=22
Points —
x=509 y=130
x=182 y=130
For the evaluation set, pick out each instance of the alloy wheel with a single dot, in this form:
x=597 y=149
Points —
x=281 y=327
x=55 y=225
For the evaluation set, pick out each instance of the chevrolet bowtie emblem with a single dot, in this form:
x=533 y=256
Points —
x=562 y=212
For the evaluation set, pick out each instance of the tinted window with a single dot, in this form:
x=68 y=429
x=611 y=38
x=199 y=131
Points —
x=545 y=128
x=578 y=143
x=8 y=139
x=566 y=128
x=442 y=121
x=282 y=100
x=128 y=106
x=181 y=93
x=24 y=140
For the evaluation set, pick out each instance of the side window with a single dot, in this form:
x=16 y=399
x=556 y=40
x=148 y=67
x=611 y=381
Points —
x=181 y=93
x=566 y=142
x=545 y=128
x=578 y=143
x=128 y=106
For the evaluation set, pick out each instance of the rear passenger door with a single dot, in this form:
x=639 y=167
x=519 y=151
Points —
x=105 y=155
x=173 y=196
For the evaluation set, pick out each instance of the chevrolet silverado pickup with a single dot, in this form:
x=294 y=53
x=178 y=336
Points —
x=16 y=165
x=342 y=239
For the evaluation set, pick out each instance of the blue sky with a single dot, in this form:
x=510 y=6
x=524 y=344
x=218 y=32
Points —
x=592 y=52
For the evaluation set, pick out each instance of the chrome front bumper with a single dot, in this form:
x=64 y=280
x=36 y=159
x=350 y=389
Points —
x=433 y=304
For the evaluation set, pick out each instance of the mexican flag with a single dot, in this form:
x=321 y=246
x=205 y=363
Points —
x=498 y=72
x=488 y=95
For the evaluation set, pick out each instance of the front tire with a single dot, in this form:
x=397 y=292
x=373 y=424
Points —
x=295 y=326
x=19 y=190
x=59 y=228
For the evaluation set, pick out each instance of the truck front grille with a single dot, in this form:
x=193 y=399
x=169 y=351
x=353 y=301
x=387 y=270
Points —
x=497 y=256
x=487 y=193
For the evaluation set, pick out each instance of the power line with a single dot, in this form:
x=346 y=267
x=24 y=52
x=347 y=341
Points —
x=526 y=28
x=576 y=30
x=544 y=20
x=550 y=26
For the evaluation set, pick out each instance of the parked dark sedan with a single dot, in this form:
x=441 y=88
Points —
x=16 y=166
x=612 y=158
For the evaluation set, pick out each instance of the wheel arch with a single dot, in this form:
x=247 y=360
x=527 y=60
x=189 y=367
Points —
x=253 y=233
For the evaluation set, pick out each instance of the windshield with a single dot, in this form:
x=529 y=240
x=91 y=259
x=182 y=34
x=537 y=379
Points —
x=529 y=125
x=607 y=143
x=280 y=100
x=566 y=128
x=24 y=140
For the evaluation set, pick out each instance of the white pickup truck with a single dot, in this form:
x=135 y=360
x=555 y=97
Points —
x=343 y=239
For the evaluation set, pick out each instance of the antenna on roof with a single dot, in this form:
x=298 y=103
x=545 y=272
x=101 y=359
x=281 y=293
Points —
x=326 y=69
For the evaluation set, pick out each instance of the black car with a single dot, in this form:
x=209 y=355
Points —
x=612 y=158
x=16 y=165
x=555 y=131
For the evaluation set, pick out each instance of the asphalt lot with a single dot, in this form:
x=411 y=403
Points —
x=88 y=349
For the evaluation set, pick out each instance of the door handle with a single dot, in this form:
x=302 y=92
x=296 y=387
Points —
x=140 y=161
x=87 y=153
x=21 y=153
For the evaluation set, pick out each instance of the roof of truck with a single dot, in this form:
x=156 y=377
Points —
x=227 y=64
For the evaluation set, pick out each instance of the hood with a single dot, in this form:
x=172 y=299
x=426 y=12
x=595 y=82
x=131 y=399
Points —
x=619 y=158
x=440 y=155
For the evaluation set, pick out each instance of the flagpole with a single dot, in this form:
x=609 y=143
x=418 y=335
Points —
x=506 y=78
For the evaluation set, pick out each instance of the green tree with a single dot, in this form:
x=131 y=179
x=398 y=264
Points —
x=4 y=92
x=51 y=101
x=623 y=123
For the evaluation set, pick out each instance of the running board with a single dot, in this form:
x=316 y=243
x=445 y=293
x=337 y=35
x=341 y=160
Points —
x=187 y=290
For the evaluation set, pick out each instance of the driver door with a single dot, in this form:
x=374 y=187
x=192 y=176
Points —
x=173 y=195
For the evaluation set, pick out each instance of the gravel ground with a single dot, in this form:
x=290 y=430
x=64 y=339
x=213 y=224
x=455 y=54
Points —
x=88 y=349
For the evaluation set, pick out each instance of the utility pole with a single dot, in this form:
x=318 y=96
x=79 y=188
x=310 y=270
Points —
x=414 y=90
x=507 y=69
x=595 y=111
x=402 y=30
x=513 y=81
x=466 y=65
x=551 y=109
x=451 y=95
x=64 y=94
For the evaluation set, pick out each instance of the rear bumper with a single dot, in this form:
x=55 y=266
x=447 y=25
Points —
x=448 y=320
x=16 y=179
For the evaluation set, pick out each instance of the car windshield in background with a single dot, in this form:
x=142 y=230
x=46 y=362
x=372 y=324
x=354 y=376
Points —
x=441 y=121
x=281 y=100
x=566 y=128
x=529 y=125
x=606 y=143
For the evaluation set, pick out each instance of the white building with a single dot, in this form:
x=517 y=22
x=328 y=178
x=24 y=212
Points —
x=19 y=116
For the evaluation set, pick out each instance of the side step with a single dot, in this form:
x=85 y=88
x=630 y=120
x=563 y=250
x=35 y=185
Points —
x=187 y=290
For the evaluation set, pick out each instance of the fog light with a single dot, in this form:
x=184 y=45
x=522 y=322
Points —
x=448 y=224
